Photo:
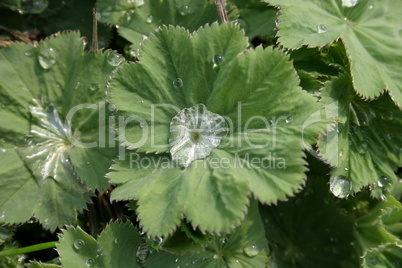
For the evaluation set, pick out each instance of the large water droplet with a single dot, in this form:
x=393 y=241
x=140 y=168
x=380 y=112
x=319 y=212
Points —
x=78 y=244
x=321 y=28
x=251 y=250
x=349 y=3
x=387 y=116
x=47 y=57
x=32 y=219
x=150 y=19
x=340 y=186
x=90 y=262
x=217 y=59
x=383 y=182
x=184 y=10
x=362 y=147
x=114 y=59
x=194 y=132
x=33 y=6
x=178 y=82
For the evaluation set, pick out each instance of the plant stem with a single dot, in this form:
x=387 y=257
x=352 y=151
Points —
x=29 y=249
x=220 y=5
x=94 y=30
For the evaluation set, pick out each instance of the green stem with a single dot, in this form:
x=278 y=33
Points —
x=28 y=249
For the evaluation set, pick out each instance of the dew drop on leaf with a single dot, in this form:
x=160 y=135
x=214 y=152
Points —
x=178 y=82
x=116 y=241
x=150 y=19
x=251 y=250
x=78 y=244
x=194 y=132
x=184 y=10
x=340 y=186
x=99 y=251
x=28 y=53
x=349 y=3
x=289 y=120
x=217 y=59
x=94 y=87
x=47 y=57
x=387 y=116
x=77 y=85
x=114 y=59
x=176 y=260
x=362 y=147
x=33 y=6
x=383 y=182
x=321 y=28
x=277 y=22
x=390 y=136
x=90 y=262
x=32 y=219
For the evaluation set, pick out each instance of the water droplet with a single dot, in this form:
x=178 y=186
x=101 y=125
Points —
x=383 y=182
x=277 y=22
x=99 y=251
x=116 y=241
x=184 y=10
x=321 y=28
x=349 y=3
x=216 y=256
x=387 y=116
x=28 y=53
x=32 y=219
x=47 y=57
x=371 y=6
x=94 y=87
x=114 y=59
x=289 y=120
x=144 y=37
x=176 y=260
x=340 y=186
x=390 y=136
x=217 y=59
x=90 y=262
x=77 y=85
x=251 y=250
x=224 y=240
x=362 y=147
x=341 y=153
x=194 y=132
x=78 y=244
x=178 y=82
x=3 y=150
x=33 y=6
x=150 y=19
x=346 y=168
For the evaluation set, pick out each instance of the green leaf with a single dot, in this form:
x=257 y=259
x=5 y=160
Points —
x=137 y=19
x=371 y=31
x=256 y=17
x=365 y=146
x=379 y=245
x=309 y=231
x=258 y=94
x=52 y=118
x=245 y=247
x=115 y=247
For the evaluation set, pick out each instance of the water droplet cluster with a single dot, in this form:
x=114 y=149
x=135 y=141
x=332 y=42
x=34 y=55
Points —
x=194 y=132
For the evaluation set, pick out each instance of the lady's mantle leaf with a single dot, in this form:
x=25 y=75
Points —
x=379 y=236
x=51 y=116
x=366 y=146
x=256 y=92
x=371 y=31
x=137 y=18
x=245 y=247
x=115 y=247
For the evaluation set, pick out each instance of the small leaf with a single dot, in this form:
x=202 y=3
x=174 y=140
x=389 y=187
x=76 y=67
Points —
x=115 y=247
x=366 y=146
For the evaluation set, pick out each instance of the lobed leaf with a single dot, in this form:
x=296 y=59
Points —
x=370 y=30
